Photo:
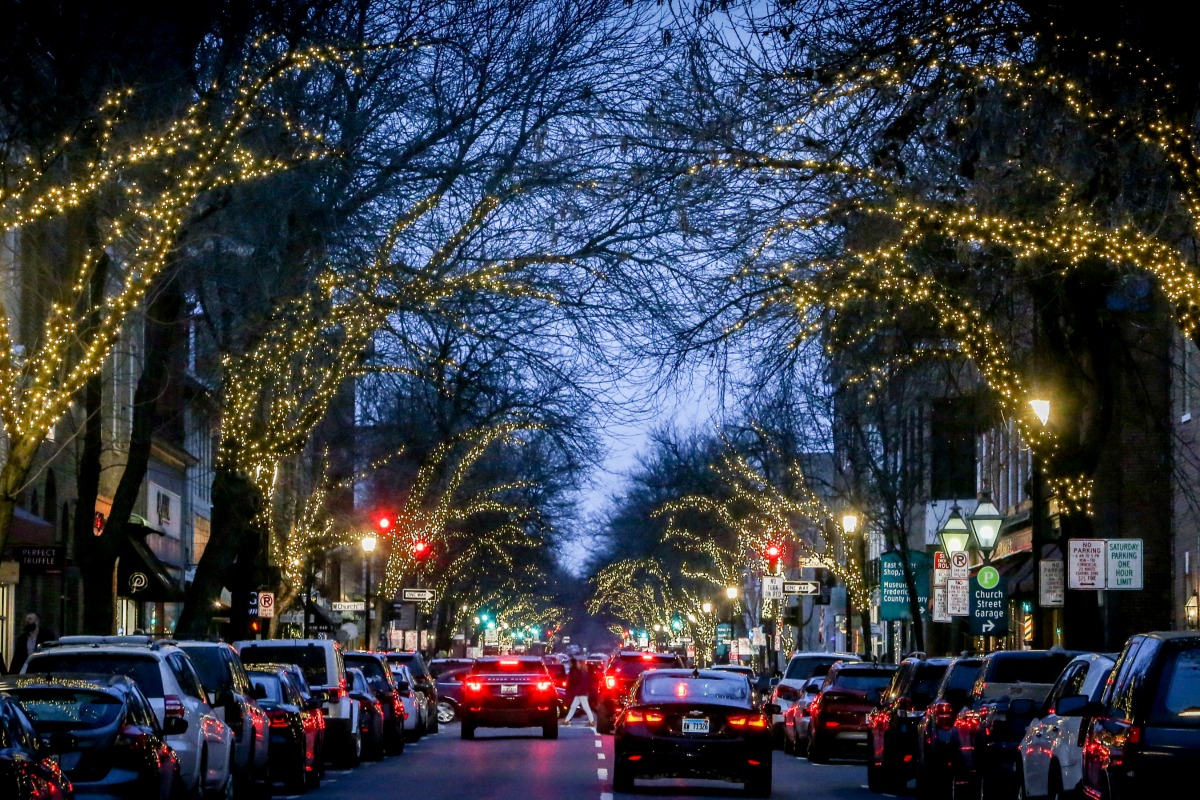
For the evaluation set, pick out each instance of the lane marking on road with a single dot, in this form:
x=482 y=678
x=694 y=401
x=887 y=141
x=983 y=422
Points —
x=600 y=756
x=602 y=774
x=606 y=796
x=599 y=743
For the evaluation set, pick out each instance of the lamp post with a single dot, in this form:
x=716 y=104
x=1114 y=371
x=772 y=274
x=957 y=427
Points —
x=368 y=545
x=731 y=594
x=955 y=536
x=1037 y=532
x=849 y=526
x=706 y=608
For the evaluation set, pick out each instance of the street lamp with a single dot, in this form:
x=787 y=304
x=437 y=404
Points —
x=849 y=526
x=368 y=545
x=1192 y=609
x=1041 y=410
x=985 y=522
x=955 y=534
x=706 y=607
x=850 y=522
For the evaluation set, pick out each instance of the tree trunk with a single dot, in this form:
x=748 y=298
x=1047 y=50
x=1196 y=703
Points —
x=235 y=503
x=98 y=554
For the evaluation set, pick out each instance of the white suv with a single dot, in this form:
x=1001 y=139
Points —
x=321 y=660
x=166 y=676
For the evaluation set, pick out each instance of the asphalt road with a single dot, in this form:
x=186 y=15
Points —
x=503 y=764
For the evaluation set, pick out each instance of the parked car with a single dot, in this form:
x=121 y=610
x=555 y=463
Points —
x=622 y=670
x=1051 y=752
x=169 y=681
x=412 y=702
x=509 y=692
x=693 y=724
x=28 y=770
x=796 y=716
x=325 y=672
x=102 y=732
x=296 y=757
x=379 y=677
x=558 y=674
x=937 y=744
x=312 y=701
x=449 y=685
x=895 y=725
x=1009 y=689
x=370 y=718
x=228 y=689
x=424 y=684
x=838 y=716
x=1142 y=739
x=802 y=666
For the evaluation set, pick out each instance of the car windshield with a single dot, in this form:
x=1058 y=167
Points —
x=675 y=688
x=214 y=675
x=144 y=669
x=372 y=668
x=68 y=709
x=309 y=659
x=801 y=667
x=1178 y=703
x=861 y=680
x=269 y=684
x=507 y=665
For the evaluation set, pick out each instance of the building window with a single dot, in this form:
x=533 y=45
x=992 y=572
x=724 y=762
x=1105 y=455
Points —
x=952 y=448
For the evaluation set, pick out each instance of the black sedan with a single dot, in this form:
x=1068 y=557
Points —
x=103 y=732
x=370 y=716
x=294 y=753
x=694 y=724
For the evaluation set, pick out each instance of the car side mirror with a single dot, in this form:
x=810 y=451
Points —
x=813 y=690
x=1078 y=705
x=771 y=709
x=175 y=726
x=402 y=686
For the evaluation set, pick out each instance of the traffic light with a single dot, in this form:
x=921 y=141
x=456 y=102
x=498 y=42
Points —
x=420 y=549
x=383 y=523
x=773 y=553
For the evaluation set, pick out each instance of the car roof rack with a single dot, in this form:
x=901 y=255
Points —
x=135 y=640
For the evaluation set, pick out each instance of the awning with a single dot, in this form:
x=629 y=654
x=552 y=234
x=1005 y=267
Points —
x=28 y=529
x=141 y=576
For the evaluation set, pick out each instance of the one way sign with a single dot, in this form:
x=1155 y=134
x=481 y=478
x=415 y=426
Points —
x=418 y=595
x=802 y=587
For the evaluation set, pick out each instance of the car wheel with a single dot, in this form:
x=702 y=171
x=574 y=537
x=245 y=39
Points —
x=312 y=778
x=197 y=791
x=876 y=780
x=297 y=779
x=622 y=775
x=446 y=712
x=433 y=720
x=789 y=746
x=550 y=729
x=225 y=790
x=816 y=753
x=468 y=730
x=758 y=783
x=1055 y=787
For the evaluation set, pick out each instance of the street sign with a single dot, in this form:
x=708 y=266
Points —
x=1086 y=563
x=958 y=597
x=893 y=592
x=1124 y=563
x=418 y=595
x=772 y=586
x=724 y=632
x=989 y=603
x=491 y=637
x=812 y=562
x=1052 y=584
x=941 y=568
x=266 y=604
x=940 y=612
x=802 y=587
x=353 y=605
x=960 y=566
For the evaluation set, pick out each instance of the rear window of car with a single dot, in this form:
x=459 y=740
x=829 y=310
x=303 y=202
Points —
x=269 y=683
x=669 y=688
x=1178 y=701
x=309 y=659
x=68 y=709
x=507 y=665
x=860 y=680
x=556 y=669
x=801 y=667
x=962 y=675
x=632 y=666
x=925 y=684
x=211 y=667
x=370 y=666
x=1042 y=668
x=145 y=670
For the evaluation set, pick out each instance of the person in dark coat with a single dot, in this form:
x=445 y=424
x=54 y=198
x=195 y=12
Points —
x=578 y=683
x=28 y=640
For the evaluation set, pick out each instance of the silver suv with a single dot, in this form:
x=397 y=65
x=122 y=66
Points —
x=169 y=681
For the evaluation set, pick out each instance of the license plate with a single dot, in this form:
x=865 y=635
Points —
x=508 y=688
x=695 y=726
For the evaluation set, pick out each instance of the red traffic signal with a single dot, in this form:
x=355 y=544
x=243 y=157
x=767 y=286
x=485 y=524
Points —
x=383 y=523
x=773 y=554
x=420 y=549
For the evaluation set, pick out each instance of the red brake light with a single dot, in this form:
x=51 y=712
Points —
x=474 y=686
x=681 y=689
x=545 y=686
x=737 y=722
x=610 y=682
x=634 y=716
x=278 y=719
x=647 y=657
x=173 y=706
x=943 y=715
x=507 y=663
x=654 y=716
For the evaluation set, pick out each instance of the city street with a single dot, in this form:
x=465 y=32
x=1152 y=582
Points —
x=505 y=764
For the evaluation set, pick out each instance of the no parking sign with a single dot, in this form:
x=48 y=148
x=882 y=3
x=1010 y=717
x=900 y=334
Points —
x=266 y=604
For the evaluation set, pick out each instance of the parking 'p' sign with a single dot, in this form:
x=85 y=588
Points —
x=989 y=577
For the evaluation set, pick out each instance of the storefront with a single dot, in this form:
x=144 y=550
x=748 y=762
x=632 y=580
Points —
x=148 y=594
x=31 y=571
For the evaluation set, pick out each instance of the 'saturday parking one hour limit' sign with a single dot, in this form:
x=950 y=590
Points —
x=1105 y=564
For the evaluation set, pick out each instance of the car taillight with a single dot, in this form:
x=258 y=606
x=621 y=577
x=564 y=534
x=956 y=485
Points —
x=474 y=686
x=634 y=716
x=278 y=719
x=545 y=686
x=131 y=736
x=397 y=705
x=173 y=707
x=334 y=693
x=943 y=716
x=610 y=682
x=654 y=716
x=369 y=706
x=757 y=721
